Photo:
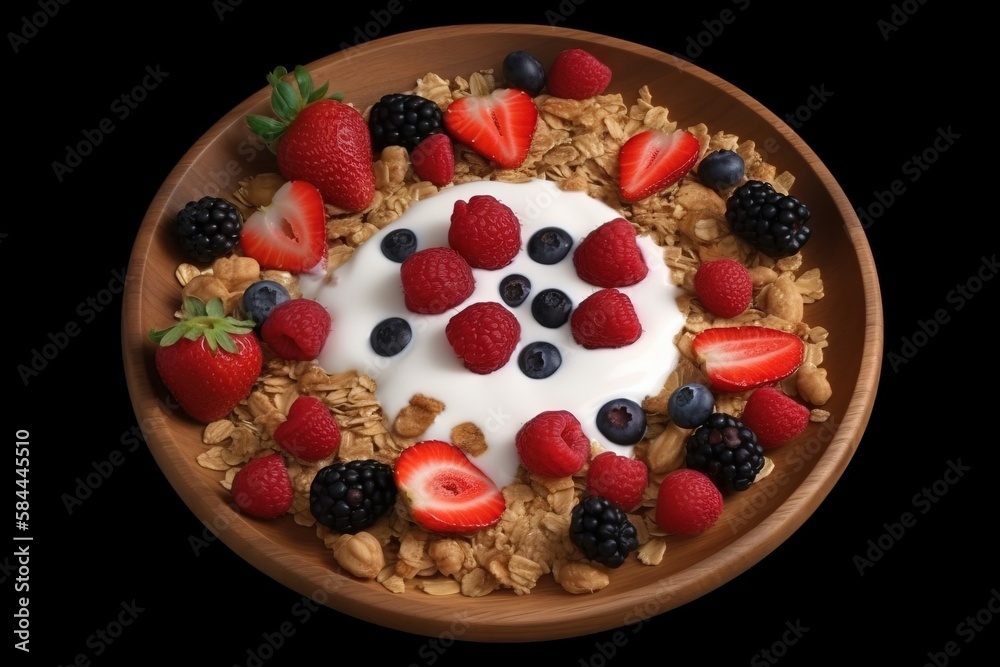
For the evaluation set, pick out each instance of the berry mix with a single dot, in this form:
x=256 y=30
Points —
x=294 y=438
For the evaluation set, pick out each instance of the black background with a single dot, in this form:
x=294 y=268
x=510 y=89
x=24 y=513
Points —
x=892 y=87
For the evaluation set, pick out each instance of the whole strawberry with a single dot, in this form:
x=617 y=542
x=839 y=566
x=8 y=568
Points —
x=309 y=432
x=318 y=139
x=620 y=479
x=688 y=503
x=485 y=231
x=263 y=488
x=297 y=330
x=208 y=361
x=483 y=335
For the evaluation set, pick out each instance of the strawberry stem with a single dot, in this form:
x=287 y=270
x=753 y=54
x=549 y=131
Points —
x=286 y=102
x=204 y=320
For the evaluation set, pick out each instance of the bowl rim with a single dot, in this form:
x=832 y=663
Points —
x=343 y=594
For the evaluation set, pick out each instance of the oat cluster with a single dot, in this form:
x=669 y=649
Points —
x=576 y=145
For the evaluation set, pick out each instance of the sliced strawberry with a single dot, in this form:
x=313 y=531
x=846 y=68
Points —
x=741 y=358
x=653 y=160
x=289 y=234
x=498 y=126
x=444 y=490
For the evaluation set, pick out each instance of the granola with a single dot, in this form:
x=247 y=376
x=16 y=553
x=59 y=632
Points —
x=575 y=145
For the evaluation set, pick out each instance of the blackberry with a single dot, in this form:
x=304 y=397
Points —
x=727 y=451
x=772 y=222
x=208 y=228
x=350 y=496
x=400 y=119
x=602 y=531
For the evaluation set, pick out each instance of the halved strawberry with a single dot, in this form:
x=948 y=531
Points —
x=653 y=160
x=289 y=234
x=444 y=490
x=741 y=358
x=498 y=126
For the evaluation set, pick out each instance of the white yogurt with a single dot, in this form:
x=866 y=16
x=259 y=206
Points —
x=367 y=290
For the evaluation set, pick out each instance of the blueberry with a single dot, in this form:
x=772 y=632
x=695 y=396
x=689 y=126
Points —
x=721 y=169
x=551 y=308
x=260 y=299
x=690 y=405
x=522 y=70
x=399 y=244
x=539 y=360
x=390 y=336
x=549 y=245
x=622 y=421
x=514 y=289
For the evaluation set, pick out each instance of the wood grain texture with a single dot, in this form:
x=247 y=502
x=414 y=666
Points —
x=755 y=522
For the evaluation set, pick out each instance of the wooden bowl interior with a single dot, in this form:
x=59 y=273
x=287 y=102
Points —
x=754 y=523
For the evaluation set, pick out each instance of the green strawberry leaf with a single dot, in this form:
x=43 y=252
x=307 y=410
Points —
x=210 y=321
x=286 y=102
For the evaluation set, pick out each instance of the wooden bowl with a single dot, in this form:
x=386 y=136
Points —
x=754 y=523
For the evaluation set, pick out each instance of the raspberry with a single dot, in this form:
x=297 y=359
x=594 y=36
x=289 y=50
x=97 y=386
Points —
x=434 y=160
x=620 y=479
x=553 y=444
x=606 y=318
x=610 y=257
x=483 y=336
x=688 y=503
x=774 y=417
x=310 y=432
x=296 y=330
x=262 y=488
x=576 y=74
x=435 y=279
x=485 y=232
x=724 y=287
